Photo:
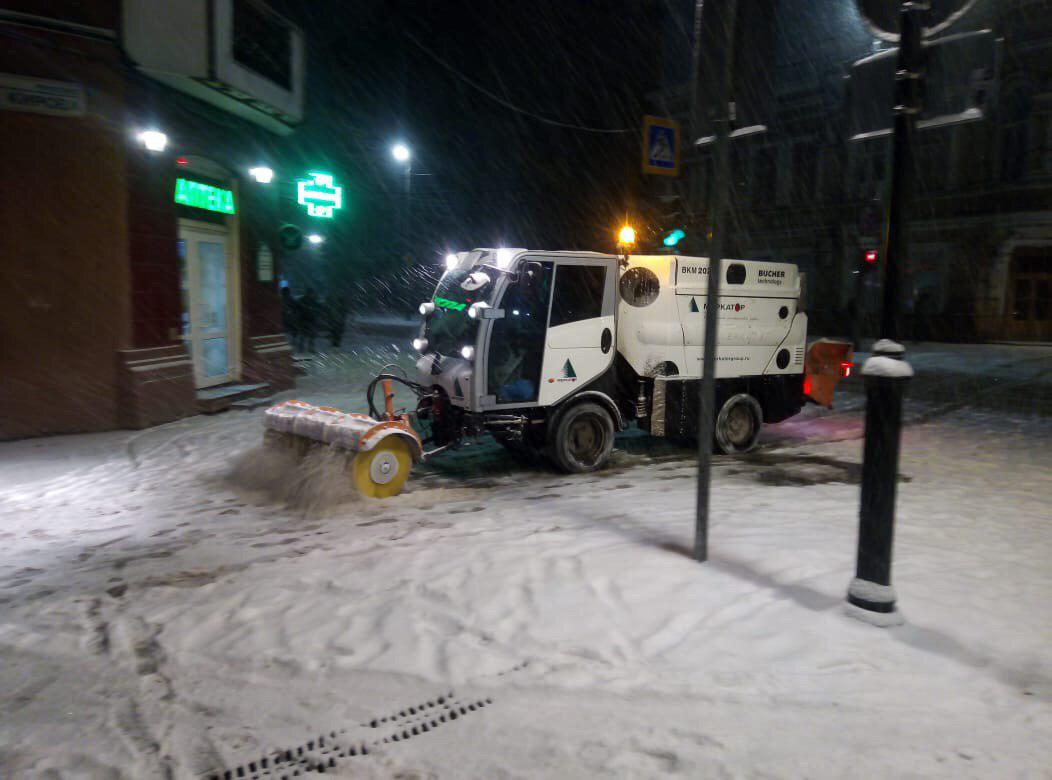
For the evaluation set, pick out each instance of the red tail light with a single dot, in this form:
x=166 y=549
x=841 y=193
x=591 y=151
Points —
x=845 y=368
x=807 y=385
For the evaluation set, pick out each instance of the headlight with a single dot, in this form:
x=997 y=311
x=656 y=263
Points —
x=427 y=307
x=467 y=352
x=419 y=344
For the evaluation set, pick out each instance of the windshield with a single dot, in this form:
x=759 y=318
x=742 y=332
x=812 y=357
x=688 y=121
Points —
x=449 y=327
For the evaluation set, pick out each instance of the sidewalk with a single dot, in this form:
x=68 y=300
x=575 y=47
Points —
x=1011 y=377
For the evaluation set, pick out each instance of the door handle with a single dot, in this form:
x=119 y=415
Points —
x=606 y=340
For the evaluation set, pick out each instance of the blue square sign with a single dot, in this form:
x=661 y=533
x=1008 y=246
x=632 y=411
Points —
x=660 y=146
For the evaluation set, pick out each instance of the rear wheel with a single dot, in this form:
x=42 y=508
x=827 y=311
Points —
x=582 y=438
x=382 y=471
x=738 y=424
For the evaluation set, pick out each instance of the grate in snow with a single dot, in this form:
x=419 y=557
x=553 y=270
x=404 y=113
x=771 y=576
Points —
x=422 y=718
x=326 y=751
x=318 y=755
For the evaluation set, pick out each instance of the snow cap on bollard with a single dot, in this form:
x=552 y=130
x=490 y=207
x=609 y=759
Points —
x=886 y=361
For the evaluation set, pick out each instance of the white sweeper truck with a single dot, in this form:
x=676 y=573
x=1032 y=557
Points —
x=552 y=353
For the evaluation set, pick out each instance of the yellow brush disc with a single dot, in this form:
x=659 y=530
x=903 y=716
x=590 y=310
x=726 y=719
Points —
x=381 y=472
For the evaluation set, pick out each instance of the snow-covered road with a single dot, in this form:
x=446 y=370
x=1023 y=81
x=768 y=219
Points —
x=177 y=601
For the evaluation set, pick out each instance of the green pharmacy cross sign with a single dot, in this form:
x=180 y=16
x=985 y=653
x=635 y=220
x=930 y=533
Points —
x=199 y=195
x=319 y=194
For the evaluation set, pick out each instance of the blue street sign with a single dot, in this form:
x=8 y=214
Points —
x=660 y=146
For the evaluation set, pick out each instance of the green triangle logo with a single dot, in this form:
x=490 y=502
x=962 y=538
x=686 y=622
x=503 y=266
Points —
x=568 y=371
x=693 y=304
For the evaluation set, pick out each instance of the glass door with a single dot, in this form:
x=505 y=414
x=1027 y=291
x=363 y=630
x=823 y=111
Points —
x=206 y=301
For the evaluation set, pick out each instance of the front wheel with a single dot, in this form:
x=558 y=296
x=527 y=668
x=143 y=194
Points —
x=382 y=471
x=582 y=438
x=738 y=424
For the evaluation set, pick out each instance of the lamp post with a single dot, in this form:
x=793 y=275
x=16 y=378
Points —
x=404 y=155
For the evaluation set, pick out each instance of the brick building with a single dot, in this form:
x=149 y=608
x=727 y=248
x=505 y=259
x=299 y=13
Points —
x=980 y=264
x=138 y=256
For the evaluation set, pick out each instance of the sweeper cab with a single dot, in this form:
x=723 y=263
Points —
x=552 y=353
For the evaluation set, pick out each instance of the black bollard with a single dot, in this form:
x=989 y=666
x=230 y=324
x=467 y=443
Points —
x=870 y=594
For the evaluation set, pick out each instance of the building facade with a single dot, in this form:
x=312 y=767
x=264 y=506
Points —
x=138 y=257
x=980 y=261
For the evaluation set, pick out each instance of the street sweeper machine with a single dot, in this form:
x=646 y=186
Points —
x=552 y=353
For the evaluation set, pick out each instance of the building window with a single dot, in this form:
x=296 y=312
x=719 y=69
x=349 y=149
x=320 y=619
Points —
x=765 y=178
x=804 y=162
x=263 y=42
x=1014 y=136
x=933 y=159
x=1031 y=287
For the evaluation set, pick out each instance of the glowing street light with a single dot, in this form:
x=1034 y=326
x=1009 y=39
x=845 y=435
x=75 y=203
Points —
x=401 y=152
x=262 y=174
x=627 y=236
x=154 y=140
x=315 y=239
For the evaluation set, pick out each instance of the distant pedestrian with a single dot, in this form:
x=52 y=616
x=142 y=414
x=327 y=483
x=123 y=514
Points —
x=288 y=314
x=336 y=318
x=308 y=313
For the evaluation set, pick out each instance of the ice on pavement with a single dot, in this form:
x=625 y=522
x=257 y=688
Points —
x=177 y=600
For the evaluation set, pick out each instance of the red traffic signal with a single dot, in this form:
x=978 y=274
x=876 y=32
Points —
x=871 y=256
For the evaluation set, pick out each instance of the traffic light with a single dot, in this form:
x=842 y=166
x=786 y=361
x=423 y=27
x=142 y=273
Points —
x=674 y=237
x=871 y=257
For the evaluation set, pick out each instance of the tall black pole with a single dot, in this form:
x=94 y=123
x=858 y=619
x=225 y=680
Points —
x=717 y=221
x=407 y=205
x=908 y=93
x=886 y=373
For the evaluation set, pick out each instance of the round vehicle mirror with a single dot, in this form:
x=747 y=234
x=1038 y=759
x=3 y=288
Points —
x=639 y=287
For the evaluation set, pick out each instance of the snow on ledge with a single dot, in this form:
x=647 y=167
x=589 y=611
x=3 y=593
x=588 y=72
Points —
x=891 y=368
x=888 y=347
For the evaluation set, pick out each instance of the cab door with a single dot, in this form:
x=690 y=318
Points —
x=513 y=350
x=581 y=326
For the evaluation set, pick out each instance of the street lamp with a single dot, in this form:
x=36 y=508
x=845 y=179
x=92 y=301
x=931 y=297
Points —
x=262 y=174
x=315 y=239
x=154 y=140
x=401 y=152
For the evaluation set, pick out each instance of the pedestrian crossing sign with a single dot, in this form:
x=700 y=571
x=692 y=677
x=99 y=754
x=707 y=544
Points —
x=660 y=146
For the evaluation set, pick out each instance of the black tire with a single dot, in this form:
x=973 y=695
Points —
x=738 y=424
x=582 y=438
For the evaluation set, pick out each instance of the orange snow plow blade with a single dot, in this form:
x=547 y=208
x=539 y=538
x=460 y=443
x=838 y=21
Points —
x=827 y=362
x=380 y=452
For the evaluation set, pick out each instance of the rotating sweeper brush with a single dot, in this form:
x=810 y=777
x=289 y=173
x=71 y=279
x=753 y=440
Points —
x=379 y=452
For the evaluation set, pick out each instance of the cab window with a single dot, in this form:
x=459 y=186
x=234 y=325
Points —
x=578 y=293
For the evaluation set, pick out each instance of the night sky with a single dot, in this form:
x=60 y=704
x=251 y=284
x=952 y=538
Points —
x=484 y=174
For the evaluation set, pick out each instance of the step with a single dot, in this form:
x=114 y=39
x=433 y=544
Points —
x=221 y=397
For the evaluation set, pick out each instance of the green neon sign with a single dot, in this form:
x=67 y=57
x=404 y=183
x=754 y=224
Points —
x=199 y=195
x=320 y=194
x=445 y=303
